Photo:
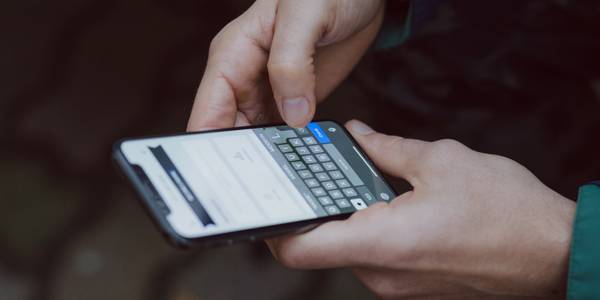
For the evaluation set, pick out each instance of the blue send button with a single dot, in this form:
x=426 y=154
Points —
x=318 y=132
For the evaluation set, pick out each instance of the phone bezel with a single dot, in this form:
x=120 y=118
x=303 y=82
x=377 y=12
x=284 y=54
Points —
x=252 y=234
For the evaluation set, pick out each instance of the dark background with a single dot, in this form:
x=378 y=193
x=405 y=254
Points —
x=516 y=78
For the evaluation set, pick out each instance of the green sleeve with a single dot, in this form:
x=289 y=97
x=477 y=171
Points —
x=403 y=19
x=394 y=32
x=584 y=263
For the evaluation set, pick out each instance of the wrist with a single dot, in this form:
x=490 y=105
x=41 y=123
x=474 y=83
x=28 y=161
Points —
x=535 y=264
x=554 y=250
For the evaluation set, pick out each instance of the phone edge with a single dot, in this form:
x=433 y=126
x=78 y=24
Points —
x=228 y=238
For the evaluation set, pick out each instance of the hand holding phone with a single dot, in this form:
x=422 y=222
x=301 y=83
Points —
x=248 y=183
x=474 y=226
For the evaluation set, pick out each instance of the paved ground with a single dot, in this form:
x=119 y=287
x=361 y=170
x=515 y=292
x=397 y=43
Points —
x=517 y=78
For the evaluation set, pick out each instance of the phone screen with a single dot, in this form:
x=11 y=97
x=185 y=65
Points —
x=225 y=181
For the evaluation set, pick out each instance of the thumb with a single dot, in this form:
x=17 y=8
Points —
x=333 y=244
x=298 y=27
x=394 y=155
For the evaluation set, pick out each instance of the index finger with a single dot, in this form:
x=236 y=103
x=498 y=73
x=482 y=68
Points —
x=235 y=65
x=214 y=105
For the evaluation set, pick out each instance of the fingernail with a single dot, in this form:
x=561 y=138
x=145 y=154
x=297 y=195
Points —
x=295 y=110
x=359 y=127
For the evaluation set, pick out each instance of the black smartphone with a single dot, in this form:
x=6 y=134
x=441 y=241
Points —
x=248 y=183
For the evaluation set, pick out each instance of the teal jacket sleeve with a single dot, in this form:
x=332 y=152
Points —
x=403 y=19
x=584 y=262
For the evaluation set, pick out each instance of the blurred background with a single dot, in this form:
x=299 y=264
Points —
x=520 y=78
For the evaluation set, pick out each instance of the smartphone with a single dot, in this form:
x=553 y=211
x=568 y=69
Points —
x=248 y=183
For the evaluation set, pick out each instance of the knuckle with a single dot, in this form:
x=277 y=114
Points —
x=502 y=160
x=221 y=36
x=288 y=63
x=448 y=146
x=214 y=43
x=280 y=68
x=444 y=154
x=502 y=164
x=387 y=142
x=394 y=142
x=445 y=149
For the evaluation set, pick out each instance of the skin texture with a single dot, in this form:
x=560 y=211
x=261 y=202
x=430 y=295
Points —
x=474 y=225
x=282 y=50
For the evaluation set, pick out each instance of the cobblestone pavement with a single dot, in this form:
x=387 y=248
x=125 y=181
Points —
x=516 y=78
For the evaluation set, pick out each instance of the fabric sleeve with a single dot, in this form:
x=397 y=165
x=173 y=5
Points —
x=403 y=20
x=584 y=262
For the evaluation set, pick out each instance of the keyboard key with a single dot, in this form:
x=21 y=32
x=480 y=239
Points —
x=358 y=203
x=274 y=135
x=309 y=140
x=325 y=200
x=322 y=176
x=319 y=192
x=298 y=165
x=336 y=174
x=285 y=131
x=343 y=165
x=329 y=185
x=350 y=192
x=343 y=183
x=296 y=142
x=365 y=194
x=329 y=166
x=285 y=148
x=291 y=156
x=311 y=183
x=309 y=159
x=305 y=173
x=302 y=131
x=343 y=203
x=323 y=157
x=332 y=210
x=315 y=149
x=336 y=194
x=315 y=168
x=302 y=150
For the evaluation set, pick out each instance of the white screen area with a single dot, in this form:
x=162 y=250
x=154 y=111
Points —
x=233 y=176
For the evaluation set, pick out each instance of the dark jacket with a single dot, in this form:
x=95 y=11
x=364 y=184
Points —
x=584 y=263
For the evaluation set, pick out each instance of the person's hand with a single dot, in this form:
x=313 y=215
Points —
x=473 y=225
x=295 y=51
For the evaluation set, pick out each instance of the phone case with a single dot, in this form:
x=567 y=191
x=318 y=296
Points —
x=155 y=209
